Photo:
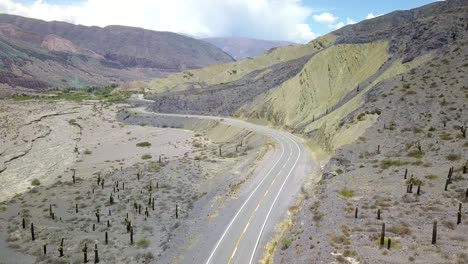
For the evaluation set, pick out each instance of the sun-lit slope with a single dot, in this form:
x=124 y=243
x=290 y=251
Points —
x=325 y=80
x=334 y=131
x=225 y=73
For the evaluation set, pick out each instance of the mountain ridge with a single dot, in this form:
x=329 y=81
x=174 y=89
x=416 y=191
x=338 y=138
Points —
x=94 y=55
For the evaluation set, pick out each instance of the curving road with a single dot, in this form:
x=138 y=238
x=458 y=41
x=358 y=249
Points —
x=241 y=231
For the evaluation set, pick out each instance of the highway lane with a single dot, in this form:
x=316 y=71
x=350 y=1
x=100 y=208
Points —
x=245 y=226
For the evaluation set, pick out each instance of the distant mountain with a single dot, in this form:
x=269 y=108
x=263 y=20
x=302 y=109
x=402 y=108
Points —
x=38 y=54
x=242 y=48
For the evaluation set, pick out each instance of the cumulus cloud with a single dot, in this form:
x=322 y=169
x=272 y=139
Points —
x=267 y=19
x=341 y=24
x=370 y=16
x=325 y=18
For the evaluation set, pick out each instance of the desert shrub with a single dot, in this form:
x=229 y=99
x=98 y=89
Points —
x=146 y=157
x=142 y=243
x=88 y=152
x=431 y=177
x=416 y=154
x=35 y=182
x=453 y=157
x=401 y=229
x=385 y=164
x=446 y=137
x=345 y=192
x=144 y=144
x=285 y=243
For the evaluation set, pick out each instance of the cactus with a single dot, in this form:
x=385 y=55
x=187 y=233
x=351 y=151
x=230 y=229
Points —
x=85 y=253
x=419 y=190
x=108 y=223
x=139 y=209
x=378 y=214
x=129 y=226
x=106 y=238
x=389 y=243
x=98 y=217
x=96 y=254
x=152 y=204
x=463 y=131
x=418 y=145
x=434 y=232
x=160 y=160
x=94 y=227
x=73 y=176
x=458 y=217
x=220 y=153
x=44 y=249
x=382 y=235
x=76 y=208
x=176 y=211
x=60 y=249
x=102 y=184
x=110 y=213
x=406 y=173
x=378 y=149
x=356 y=213
x=111 y=199
x=24 y=223
x=446 y=184
x=131 y=235
x=33 y=237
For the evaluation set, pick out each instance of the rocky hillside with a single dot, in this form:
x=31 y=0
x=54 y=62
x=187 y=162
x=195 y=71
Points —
x=382 y=104
x=243 y=48
x=37 y=54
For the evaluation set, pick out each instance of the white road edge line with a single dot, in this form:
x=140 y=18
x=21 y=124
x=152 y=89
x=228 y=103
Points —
x=274 y=202
x=243 y=205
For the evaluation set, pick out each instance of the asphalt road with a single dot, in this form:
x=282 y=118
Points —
x=241 y=231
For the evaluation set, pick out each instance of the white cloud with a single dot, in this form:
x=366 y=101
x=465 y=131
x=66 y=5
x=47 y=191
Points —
x=325 y=18
x=370 y=16
x=341 y=24
x=267 y=19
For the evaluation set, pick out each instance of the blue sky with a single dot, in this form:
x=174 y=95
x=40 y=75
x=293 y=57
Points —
x=358 y=10
x=292 y=20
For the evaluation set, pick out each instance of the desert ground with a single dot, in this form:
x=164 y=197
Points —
x=79 y=171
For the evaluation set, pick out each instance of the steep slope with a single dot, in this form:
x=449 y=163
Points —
x=79 y=56
x=226 y=73
x=243 y=48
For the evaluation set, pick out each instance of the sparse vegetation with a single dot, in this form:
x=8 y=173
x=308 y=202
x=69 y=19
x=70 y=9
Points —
x=143 y=144
x=88 y=152
x=345 y=192
x=35 y=182
x=453 y=157
x=142 y=243
x=285 y=243
x=146 y=157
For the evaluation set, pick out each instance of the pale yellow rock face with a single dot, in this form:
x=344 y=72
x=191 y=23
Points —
x=229 y=72
x=325 y=80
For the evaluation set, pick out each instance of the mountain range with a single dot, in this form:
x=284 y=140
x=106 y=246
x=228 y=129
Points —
x=242 y=48
x=37 y=54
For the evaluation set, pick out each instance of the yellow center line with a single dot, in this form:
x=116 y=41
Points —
x=253 y=213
